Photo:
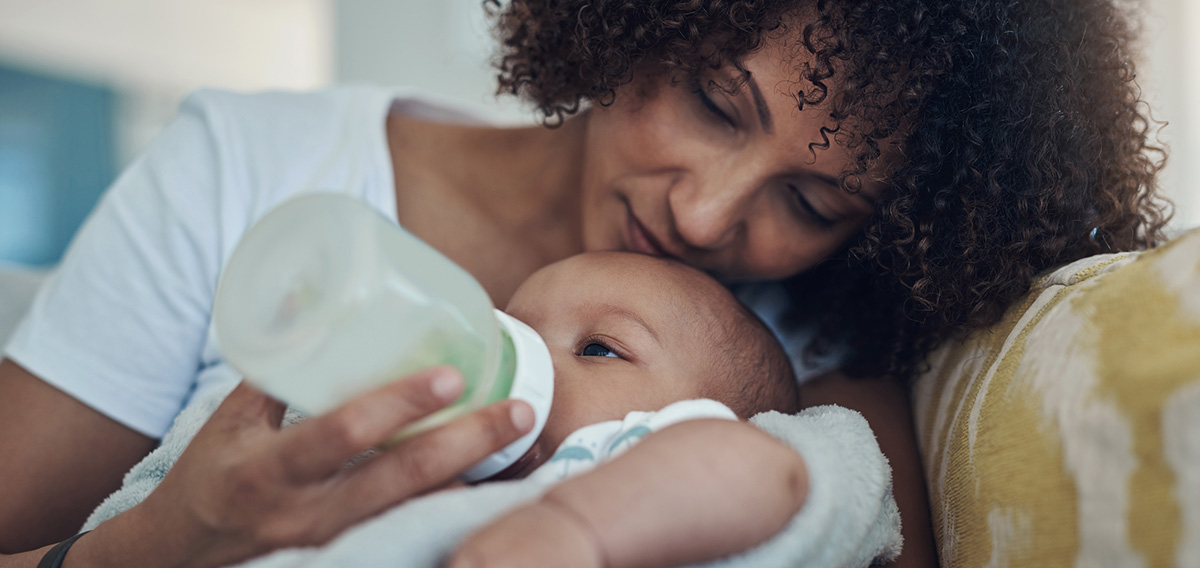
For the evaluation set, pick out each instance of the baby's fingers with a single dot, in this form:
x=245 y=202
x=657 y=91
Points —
x=320 y=447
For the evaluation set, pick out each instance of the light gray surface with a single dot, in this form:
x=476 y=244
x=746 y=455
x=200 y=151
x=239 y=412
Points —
x=18 y=284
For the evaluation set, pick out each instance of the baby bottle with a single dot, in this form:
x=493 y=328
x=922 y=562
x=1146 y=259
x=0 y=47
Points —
x=325 y=298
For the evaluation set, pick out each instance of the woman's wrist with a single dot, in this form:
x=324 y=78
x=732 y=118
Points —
x=137 y=538
x=58 y=553
x=105 y=546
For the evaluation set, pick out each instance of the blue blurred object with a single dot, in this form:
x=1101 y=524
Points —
x=56 y=157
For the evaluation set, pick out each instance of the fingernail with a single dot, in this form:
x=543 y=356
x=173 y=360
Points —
x=521 y=416
x=447 y=386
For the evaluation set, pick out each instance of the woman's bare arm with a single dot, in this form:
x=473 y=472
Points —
x=58 y=458
x=697 y=490
x=885 y=405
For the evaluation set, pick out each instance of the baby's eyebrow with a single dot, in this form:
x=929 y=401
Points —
x=599 y=309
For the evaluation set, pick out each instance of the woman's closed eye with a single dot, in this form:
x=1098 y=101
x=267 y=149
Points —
x=802 y=202
x=710 y=106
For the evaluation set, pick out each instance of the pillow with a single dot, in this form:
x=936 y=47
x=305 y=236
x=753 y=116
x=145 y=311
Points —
x=18 y=284
x=1068 y=434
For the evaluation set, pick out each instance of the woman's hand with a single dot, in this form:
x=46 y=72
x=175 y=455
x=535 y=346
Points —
x=245 y=487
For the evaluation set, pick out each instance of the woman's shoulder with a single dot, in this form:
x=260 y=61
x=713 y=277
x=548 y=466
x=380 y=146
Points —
x=284 y=114
x=266 y=146
x=334 y=106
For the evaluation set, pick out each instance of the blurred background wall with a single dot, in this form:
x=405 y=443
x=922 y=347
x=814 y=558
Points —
x=85 y=84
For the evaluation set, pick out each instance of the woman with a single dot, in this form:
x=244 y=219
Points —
x=905 y=168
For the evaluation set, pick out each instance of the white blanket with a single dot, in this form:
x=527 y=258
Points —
x=850 y=518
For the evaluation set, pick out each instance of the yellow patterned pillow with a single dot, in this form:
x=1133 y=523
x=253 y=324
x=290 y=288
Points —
x=1068 y=434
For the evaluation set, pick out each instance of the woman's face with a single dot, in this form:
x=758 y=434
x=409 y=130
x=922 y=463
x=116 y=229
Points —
x=722 y=181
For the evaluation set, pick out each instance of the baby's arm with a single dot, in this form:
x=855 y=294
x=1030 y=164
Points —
x=695 y=491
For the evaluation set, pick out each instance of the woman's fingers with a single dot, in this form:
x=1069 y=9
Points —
x=245 y=487
x=247 y=405
x=432 y=458
x=408 y=469
x=319 y=447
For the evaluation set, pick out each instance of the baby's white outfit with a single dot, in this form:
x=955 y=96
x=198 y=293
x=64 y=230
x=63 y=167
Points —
x=592 y=445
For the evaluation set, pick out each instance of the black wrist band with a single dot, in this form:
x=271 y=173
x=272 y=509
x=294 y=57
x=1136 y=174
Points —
x=54 y=558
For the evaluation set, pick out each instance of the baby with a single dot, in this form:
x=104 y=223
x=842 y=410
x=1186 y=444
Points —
x=629 y=332
x=635 y=341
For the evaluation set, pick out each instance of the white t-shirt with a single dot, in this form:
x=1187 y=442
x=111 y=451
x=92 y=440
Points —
x=124 y=325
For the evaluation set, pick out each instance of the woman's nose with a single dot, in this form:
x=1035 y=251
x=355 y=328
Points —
x=708 y=215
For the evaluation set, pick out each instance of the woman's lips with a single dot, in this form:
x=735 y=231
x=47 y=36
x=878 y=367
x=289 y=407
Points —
x=642 y=240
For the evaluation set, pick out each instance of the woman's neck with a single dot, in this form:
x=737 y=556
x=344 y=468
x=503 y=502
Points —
x=473 y=191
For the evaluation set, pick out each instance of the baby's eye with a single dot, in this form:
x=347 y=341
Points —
x=597 y=350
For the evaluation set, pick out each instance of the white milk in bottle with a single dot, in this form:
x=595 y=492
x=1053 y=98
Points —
x=324 y=299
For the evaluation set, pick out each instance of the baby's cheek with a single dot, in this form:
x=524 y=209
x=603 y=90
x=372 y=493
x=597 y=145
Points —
x=578 y=404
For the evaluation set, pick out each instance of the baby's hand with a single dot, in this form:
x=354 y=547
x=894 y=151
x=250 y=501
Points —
x=695 y=491
x=543 y=533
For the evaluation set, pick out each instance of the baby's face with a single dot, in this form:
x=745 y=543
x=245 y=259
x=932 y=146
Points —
x=625 y=331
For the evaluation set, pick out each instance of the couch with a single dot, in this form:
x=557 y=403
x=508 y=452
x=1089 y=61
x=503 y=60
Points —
x=1068 y=434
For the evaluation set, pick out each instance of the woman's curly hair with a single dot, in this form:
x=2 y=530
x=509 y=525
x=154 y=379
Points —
x=1025 y=142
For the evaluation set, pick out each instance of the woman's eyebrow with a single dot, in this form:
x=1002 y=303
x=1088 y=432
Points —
x=760 y=105
x=768 y=126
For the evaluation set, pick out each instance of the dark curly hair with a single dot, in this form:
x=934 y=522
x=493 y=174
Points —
x=1025 y=140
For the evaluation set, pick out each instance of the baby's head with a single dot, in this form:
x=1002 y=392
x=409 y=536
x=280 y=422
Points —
x=630 y=332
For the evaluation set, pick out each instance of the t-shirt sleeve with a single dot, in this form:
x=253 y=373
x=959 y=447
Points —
x=121 y=324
